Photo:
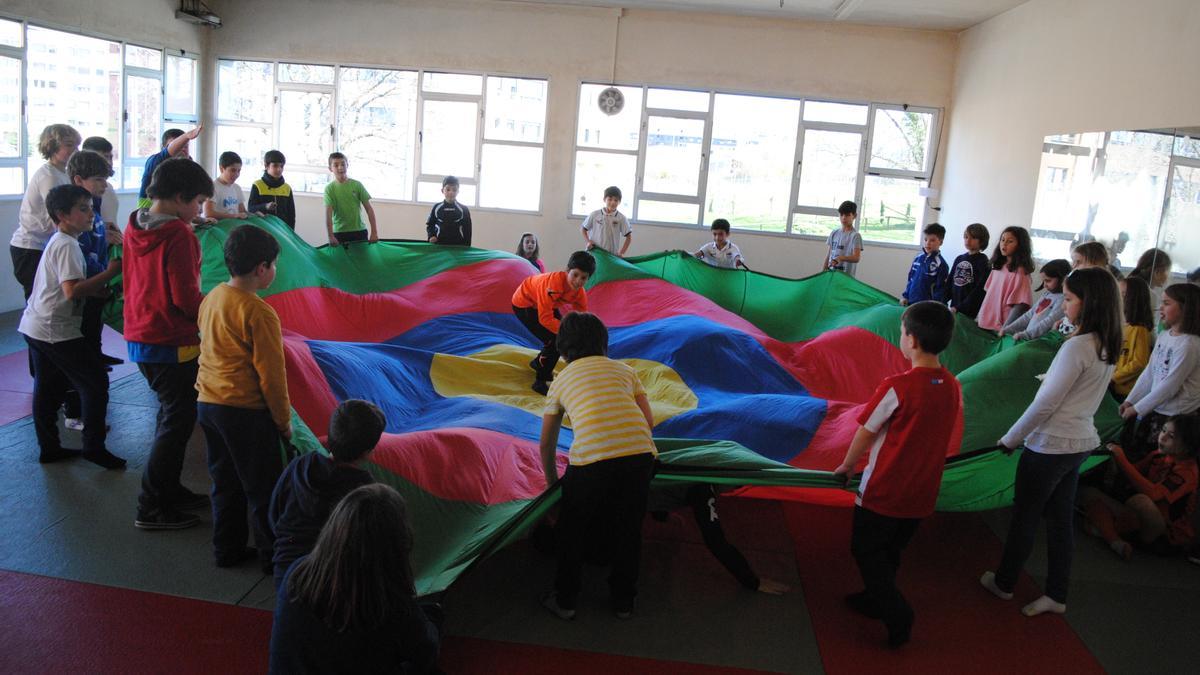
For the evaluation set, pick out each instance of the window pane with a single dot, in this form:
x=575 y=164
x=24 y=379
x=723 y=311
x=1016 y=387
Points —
x=245 y=91
x=430 y=192
x=141 y=57
x=750 y=169
x=614 y=132
x=453 y=83
x=668 y=212
x=305 y=118
x=12 y=180
x=673 y=153
x=828 y=168
x=377 y=117
x=73 y=80
x=1182 y=220
x=305 y=74
x=676 y=99
x=181 y=87
x=448 y=146
x=307 y=181
x=841 y=113
x=892 y=209
x=595 y=171
x=808 y=223
x=11 y=33
x=143 y=101
x=251 y=143
x=900 y=140
x=510 y=177
x=10 y=107
x=134 y=169
x=1187 y=146
x=516 y=110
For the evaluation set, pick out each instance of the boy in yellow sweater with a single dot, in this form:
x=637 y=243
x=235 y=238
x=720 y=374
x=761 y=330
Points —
x=243 y=401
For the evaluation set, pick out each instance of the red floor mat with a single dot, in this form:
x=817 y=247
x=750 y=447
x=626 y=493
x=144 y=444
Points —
x=958 y=624
x=473 y=655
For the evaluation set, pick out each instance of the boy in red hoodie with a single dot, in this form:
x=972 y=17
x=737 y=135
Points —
x=162 y=302
x=537 y=303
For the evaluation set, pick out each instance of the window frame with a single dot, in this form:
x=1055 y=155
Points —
x=21 y=160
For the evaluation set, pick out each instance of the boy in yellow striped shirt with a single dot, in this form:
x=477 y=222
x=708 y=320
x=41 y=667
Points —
x=611 y=461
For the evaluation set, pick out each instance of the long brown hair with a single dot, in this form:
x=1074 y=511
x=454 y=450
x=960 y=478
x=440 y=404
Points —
x=1097 y=289
x=1188 y=297
x=1021 y=258
x=1152 y=261
x=358 y=574
x=1138 y=311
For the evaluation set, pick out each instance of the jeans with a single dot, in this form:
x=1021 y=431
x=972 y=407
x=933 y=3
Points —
x=1045 y=486
x=548 y=357
x=175 y=386
x=58 y=367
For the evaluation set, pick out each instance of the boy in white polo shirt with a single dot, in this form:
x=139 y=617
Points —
x=720 y=252
x=607 y=228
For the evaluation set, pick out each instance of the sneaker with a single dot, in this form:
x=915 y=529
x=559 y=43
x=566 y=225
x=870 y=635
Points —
x=105 y=459
x=623 y=609
x=237 y=557
x=161 y=519
x=110 y=360
x=186 y=500
x=1193 y=556
x=863 y=604
x=73 y=423
x=550 y=602
x=57 y=455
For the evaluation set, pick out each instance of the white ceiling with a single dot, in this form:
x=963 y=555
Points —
x=952 y=15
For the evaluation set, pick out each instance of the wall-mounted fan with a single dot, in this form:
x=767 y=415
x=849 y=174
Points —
x=611 y=101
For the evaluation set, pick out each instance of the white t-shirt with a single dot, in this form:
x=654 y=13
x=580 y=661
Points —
x=842 y=242
x=607 y=230
x=227 y=197
x=727 y=257
x=1170 y=384
x=34 y=226
x=49 y=316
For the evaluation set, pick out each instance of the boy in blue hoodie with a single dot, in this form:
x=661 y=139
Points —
x=311 y=485
x=929 y=272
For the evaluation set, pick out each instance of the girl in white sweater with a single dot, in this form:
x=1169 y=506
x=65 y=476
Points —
x=1058 y=434
x=1047 y=311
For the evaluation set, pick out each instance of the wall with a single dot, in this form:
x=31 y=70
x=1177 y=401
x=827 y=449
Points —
x=1052 y=66
x=148 y=22
x=570 y=44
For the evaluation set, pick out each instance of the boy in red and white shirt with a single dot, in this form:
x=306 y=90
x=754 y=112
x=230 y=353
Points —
x=908 y=426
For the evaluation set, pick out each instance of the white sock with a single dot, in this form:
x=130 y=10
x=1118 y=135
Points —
x=988 y=581
x=1042 y=605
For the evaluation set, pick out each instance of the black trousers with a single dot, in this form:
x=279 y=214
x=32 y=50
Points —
x=244 y=459
x=175 y=386
x=350 y=237
x=610 y=494
x=58 y=367
x=92 y=326
x=25 y=263
x=548 y=357
x=877 y=542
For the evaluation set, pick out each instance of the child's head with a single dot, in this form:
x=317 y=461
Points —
x=273 y=162
x=847 y=212
x=1014 y=250
x=358 y=576
x=1136 y=299
x=1180 y=308
x=99 y=144
x=1089 y=254
x=338 y=165
x=528 y=247
x=90 y=171
x=580 y=267
x=231 y=166
x=1193 y=277
x=1092 y=301
x=612 y=197
x=354 y=429
x=250 y=253
x=720 y=231
x=582 y=334
x=932 y=237
x=925 y=327
x=450 y=188
x=1053 y=275
x=170 y=135
x=1154 y=265
x=70 y=207
x=180 y=187
x=976 y=237
x=1180 y=436
x=58 y=142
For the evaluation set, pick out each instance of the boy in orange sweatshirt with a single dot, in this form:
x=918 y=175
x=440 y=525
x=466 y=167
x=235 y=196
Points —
x=542 y=300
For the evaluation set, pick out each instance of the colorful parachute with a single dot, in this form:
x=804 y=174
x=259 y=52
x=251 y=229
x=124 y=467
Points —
x=755 y=380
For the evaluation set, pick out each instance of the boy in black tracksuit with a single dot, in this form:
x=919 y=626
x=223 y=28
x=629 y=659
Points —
x=313 y=484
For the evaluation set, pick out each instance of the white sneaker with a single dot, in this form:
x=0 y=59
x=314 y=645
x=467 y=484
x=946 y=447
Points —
x=73 y=423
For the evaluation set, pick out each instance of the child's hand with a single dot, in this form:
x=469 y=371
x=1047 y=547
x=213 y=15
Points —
x=842 y=473
x=194 y=132
x=1116 y=451
x=114 y=265
x=269 y=206
x=286 y=434
x=433 y=240
x=1004 y=448
x=772 y=587
x=1127 y=411
x=333 y=241
x=954 y=310
x=903 y=301
x=1020 y=336
x=589 y=246
x=373 y=238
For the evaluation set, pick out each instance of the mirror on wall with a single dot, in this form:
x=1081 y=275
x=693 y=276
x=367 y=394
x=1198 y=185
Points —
x=1131 y=190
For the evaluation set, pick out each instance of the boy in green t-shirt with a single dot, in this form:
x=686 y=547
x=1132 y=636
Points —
x=343 y=195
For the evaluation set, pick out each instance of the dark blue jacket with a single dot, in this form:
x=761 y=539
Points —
x=927 y=278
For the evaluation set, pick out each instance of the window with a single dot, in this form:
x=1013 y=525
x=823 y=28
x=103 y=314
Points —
x=765 y=163
x=182 y=93
x=403 y=131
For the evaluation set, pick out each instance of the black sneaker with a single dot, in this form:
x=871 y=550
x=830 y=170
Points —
x=105 y=459
x=186 y=500
x=110 y=360
x=863 y=604
x=1193 y=555
x=160 y=519
x=237 y=557
x=57 y=455
x=622 y=608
